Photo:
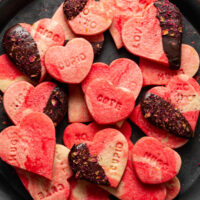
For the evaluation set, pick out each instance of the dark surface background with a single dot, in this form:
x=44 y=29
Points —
x=29 y=11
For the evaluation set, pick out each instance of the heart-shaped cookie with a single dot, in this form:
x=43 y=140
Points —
x=9 y=73
x=159 y=40
x=58 y=188
x=30 y=145
x=107 y=103
x=124 y=10
x=76 y=133
x=96 y=40
x=153 y=163
x=70 y=64
x=122 y=72
x=156 y=74
x=88 y=17
x=22 y=98
x=183 y=93
x=102 y=161
x=131 y=187
x=26 y=45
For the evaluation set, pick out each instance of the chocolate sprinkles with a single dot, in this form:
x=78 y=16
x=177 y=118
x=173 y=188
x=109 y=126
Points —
x=86 y=166
x=163 y=115
x=171 y=24
x=23 y=51
x=72 y=8
x=57 y=105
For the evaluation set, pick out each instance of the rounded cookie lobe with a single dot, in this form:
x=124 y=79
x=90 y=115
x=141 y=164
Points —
x=72 y=8
x=23 y=51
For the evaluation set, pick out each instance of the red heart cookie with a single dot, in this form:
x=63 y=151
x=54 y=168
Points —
x=184 y=94
x=30 y=145
x=108 y=104
x=58 y=188
x=153 y=163
x=92 y=18
x=159 y=40
x=77 y=108
x=76 y=133
x=96 y=40
x=131 y=187
x=9 y=73
x=22 y=98
x=155 y=74
x=124 y=10
x=122 y=72
x=70 y=64
x=47 y=33
x=106 y=158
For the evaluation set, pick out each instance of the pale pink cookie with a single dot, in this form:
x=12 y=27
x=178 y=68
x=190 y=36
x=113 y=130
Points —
x=72 y=63
x=58 y=188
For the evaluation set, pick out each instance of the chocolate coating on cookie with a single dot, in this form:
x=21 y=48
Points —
x=97 y=47
x=4 y=119
x=72 y=8
x=171 y=24
x=57 y=105
x=23 y=51
x=163 y=115
x=86 y=166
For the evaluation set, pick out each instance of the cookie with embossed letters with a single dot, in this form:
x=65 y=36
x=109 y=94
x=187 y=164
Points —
x=58 y=188
x=131 y=187
x=155 y=74
x=122 y=72
x=29 y=146
x=159 y=40
x=107 y=103
x=76 y=133
x=88 y=17
x=154 y=163
x=124 y=10
x=22 y=98
x=101 y=161
x=26 y=45
x=72 y=63
x=96 y=41
x=179 y=103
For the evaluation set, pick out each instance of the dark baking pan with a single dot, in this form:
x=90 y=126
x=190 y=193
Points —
x=29 y=11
